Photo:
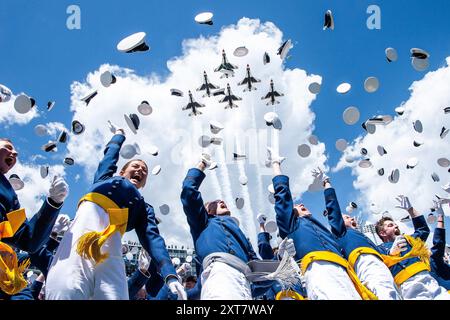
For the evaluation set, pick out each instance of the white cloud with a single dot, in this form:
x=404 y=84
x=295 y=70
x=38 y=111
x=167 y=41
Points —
x=428 y=98
x=176 y=134
x=9 y=116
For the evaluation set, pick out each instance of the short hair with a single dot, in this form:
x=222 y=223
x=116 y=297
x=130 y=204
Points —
x=191 y=279
x=126 y=165
x=380 y=224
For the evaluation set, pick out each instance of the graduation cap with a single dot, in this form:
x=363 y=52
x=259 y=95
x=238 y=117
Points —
x=23 y=104
x=133 y=43
x=420 y=64
x=371 y=84
x=69 y=161
x=363 y=151
x=204 y=141
x=447 y=110
x=419 y=54
x=391 y=54
x=304 y=150
x=444 y=132
x=431 y=218
x=176 y=92
x=349 y=159
x=435 y=177
x=237 y=156
x=239 y=203
x=44 y=171
x=16 y=182
x=215 y=126
x=243 y=180
x=380 y=172
x=351 y=206
x=400 y=110
x=418 y=126
x=156 y=170
x=5 y=93
x=50 y=105
x=128 y=151
x=314 y=87
x=405 y=219
x=63 y=137
x=132 y=122
x=213 y=165
x=417 y=143
x=87 y=99
x=328 y=21
x=271 y=226
x=343 y=88
x=369 y=127
x=443 y=162
x=164 y=209
x=49 y=147
x=272 y=119
x=380 y=120
x=144 y=108
x=204 y=18
x=394 y=176
x=412 y=163
x=313 y=140
x=365 y=163
x=284 y=49
x=40 y=130
x=107 y=78
x=351 y=115
x=240 y=51
x=266 y=58
x=261 y=218
x=341 y=144
x=153 y=150
x=381 y=151
x=77 y=127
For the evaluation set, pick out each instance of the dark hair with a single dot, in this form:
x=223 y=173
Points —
x=379 y=225
x=126 y=165
x=211 y=207
x=190 y=279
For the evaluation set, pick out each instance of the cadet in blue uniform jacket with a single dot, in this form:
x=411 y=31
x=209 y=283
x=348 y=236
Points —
x=112 y=206
x=15 y=229
x=322 y=259
x=411 y=273
x=440 y=269
x=220 y=244
x=362 y=254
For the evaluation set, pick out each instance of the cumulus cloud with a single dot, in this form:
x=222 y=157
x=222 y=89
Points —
x=9 y=116
x=429 y=96
x=176 y=134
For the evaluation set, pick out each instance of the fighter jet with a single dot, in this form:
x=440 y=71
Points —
x=225 y=67
x=272 y=94
x=230 y=97
x=193 y=105
x=249 y=80
x=207 y=86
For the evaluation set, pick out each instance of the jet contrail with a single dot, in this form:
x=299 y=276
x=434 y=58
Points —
x=223 y=169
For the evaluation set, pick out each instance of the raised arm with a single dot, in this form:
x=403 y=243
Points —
x=421 y=229
x=438 y=249
x=108 y=165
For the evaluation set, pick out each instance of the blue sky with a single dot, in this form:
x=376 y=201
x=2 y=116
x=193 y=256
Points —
x=41 y=57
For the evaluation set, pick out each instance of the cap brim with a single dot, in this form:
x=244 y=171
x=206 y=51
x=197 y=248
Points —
x=130 y=124
x=304 y=150
x=351 y=115
x=133 y=43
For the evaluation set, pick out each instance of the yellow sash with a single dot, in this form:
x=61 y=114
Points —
x=354 y=255
x=89 y=245
x=289 y=294
x=329 y=256
x=12 y=280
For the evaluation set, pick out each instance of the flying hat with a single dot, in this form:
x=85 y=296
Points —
x=369 y=127
x=418 y=126
x=400 y=110
x=23 y=104
x=16 y=182
x=204 y=18
x=420 y=64
x=107 y=78
x=418 y=143
x=204 y=141
x=132 y=122
x=261 y=218
x=44 y=171
x=213 y=165
x=435 y=177
x=431 y=218
x=236 y=220
x=239 y=203
x=443 y=162
x=391 y=54
x=349 y=159
x=272 y=119
x=351 y=115
x=215 y=126
x=237 y=156
x=328 y=21
x=133 y=43
x=240 y=51
x=380 y=120
x=304 y=150
x=5 y=93
x=447 y=110
x=380 y=172
x=412 y=163
x=371 y=84
x=444 y=132
x=189 y=259
x=351 y=206
x=271 y=188
x=153 y=150
x=313 y=140
x=40 y=130
x=164 y=209
x=363 y=151
x=87 y=99
x=341 y=144
x=314 y=87
x=381 y=151
x=156 y=170
x=266 y=58
x=128 y=151
x=419 y=54
x=49 y=147
x=365 y=163
x=405 y=219
x=394 y=176
x=243 y=180
x=271 y=198
x=63 y=136
x=69 y=161
x=176 y=261
x=144 y=108
x=284 y=49
x=176 y=92
x=77 y=127
x=343 y=88
x=271 y=226
x=50 y=105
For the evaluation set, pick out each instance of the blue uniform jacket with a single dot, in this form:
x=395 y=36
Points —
x=348 y=239
x=421 y=231
x=141 y=216
x=33 y=233
x=308 y=233
x=440 y=270
x=211 y=233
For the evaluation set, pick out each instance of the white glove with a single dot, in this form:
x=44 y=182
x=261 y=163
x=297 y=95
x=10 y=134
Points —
x=320 y=175
x=404 y=203
x=144 y=260
x=438 y=207
x=287 y=245
x=206 y=159
x=62 y=223
x=398 y=246
x=176 y=288
x=261 y=218
x=273 y=156
x=59 y=190
x=446 y=187
x=183 y=269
